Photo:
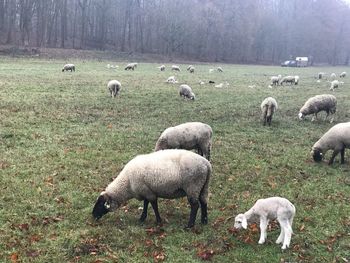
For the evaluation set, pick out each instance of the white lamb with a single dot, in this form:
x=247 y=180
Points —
x=114 y=87
x=269 y=209
x=171 y=79
x=164 y=174
x=342 y=75
x=175 y=67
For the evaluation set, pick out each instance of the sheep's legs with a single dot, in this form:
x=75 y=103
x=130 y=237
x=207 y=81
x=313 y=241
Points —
x=156 y=212
x=336 y=151
x=287 y=233
x=280 y=237
x=263 y=228
x=342 y=154
x=194 y=209
x=204 y=212
x=144 y=211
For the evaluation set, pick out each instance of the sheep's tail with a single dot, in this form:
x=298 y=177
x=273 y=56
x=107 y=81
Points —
x=204 y=194
x=270 y=110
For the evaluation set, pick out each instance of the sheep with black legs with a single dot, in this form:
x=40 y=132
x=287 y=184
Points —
x=337 y=139
x=268 y=209
x=318 y=103
x=290 y=79
x=275 y=80
x=114 y=87
x=188 y=136
x=131 y=66
x=186 y=92
x=70 y=67
x=164 y=174
x=268 y=108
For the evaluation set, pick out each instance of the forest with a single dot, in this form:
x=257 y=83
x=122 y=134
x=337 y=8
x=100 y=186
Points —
x=232 y=31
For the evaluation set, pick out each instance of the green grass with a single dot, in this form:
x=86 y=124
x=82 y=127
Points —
x=63 y=139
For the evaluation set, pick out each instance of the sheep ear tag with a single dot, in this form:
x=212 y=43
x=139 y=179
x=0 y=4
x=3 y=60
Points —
x=101 y=207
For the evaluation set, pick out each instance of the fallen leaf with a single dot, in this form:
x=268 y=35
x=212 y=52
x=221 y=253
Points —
x=206 y=254
x=14 y=257
x=302 y=228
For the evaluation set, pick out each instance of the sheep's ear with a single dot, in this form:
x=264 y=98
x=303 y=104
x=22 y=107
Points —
x=244 y=222
x=102 y=206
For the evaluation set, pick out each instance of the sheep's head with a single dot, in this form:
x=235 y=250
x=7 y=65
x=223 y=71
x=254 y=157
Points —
x=192 y=96
x=317 y=155
x=301 y=116
x=241 y=221
x=102 y=206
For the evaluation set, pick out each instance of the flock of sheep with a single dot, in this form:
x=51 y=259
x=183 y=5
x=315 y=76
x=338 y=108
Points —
x=173 y=171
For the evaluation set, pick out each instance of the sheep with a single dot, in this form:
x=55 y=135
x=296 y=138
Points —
x=186 y=92
x=162 y=68
x=337 y=139
x=114 y=87
x=188 y=136
x=333 y=76
x=171 y=79
x=342 y=75
x=131 y=66
x=334 y=84
x=67 y=67
x=275 y=80
x=219 y=69
x=175 y=67
x=269 y=209
x=314 y=105
x=320 y=75
x=296 y=80
x=268 y=107
x=166 y=174
x=191 y=69
x=289 y=79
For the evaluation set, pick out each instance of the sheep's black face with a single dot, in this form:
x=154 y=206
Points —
x=101 y=207
x=317 y=155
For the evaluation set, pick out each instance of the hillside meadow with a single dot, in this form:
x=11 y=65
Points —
x=63 y=139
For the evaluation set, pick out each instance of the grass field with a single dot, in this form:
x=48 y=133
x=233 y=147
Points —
x=63 y=139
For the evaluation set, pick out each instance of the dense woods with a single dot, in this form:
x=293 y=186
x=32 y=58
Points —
x=249 y=31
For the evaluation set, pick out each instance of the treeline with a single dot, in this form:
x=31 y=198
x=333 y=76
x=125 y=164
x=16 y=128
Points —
x=240 y=31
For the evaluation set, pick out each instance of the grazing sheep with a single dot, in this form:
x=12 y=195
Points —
x=114 y=87
x=165 y=174
x=186 y=92
x=334 y=84
x=314 y=105
x=191 y=69
x=320 y=75
x=342 y=75
x=268 y=107
x=269 y=209
x=219 y=69
x=333 y=76
x=131 y=66
x=162 y=68
x=296 y=80
x=275 y=80
x=171 y=79
x=67 y=67
x=175 y=67
x=337 y=139
x=289 y=79
x=188 y=136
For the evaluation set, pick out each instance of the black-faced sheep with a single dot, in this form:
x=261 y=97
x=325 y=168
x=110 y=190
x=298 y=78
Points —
x=268 y=107
x=70 y=67
x=337 y=139
x=165 y=174
x=114 y=87
x=188 y=136
x=314 y=105
x=269 y=209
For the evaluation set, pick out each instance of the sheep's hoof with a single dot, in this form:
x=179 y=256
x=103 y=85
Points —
x=204 y=221
x=261 y=242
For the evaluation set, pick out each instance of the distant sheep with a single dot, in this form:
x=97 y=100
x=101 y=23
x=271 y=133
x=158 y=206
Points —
x=114 y=87
x=191 y=69
x=268 y=107
x=314 y=105
x=275 y=80
x=188 y=136
x=165 y=174
x=162 y=68
x=333 y=76
x=131 y=66
x=337 y=139
x=175 y=67
x=290 y=79
x=342 y=75
x=320 y=75
x=334 y=84
x=220 y=69
x=171 y=79
x=67 y=67
x=268 y=209
x=186 y=92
